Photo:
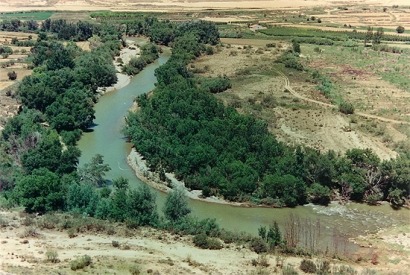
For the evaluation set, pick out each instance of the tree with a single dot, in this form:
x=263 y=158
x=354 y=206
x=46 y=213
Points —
x=296 y=47
x=369 y=36
x=12 y=75
x=82 y=199
x=274 y=237
x=176 y=205
x=54 y=55
x=39 y=192
x=288 y=189
x=378 y=35
x=46 y=154
x=71 y=110
x=396 y=198
x=141 y=207
x=400 y=29
x=94 y=171
x=95 y=69
x=118 y=210
x=319 y=194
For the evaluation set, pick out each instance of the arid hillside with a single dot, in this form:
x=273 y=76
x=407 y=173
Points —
x=43 y=245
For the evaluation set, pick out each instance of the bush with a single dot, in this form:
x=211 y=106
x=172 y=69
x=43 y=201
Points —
x=52 y=256
x=217 y=84
x=323 y=268
x=344 y=270
x=71 y=233
x=258 y=245
x=115 y=244
x=290 y=60
x=30 y=232
x=346 y=108
x=209 y=50
x=12 y=75
x=308 y=266
x=289 y=270
x=400 y=29
x=319 y=194
x=135 y=270
x=396 y=198
x=205 y=242
x=80 y=263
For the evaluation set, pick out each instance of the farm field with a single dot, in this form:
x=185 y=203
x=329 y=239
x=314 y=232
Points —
x=13 y=62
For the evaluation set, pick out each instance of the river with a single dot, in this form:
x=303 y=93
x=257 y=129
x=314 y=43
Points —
x=105 y=138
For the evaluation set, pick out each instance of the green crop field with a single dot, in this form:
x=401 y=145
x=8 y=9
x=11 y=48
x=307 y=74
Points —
x=31 y=15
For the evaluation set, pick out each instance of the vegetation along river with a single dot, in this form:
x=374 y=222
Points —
x=106 y=139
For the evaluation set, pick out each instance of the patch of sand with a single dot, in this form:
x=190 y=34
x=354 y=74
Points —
x=126 y=54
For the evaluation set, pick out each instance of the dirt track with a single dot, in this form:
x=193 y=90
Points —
x=296 y=94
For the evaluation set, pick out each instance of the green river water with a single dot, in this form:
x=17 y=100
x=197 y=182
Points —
x=105 y=138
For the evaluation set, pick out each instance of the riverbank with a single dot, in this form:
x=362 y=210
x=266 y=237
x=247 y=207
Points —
x=126 y=53
x=137 y=162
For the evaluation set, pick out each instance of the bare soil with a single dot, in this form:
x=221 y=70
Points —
x=8 y=104
x=26 y=243
x=295 y=111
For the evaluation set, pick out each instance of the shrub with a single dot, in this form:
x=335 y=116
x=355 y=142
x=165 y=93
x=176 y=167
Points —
x=346 y=108
x=135 y=270
x=209 y=50
x=289 y=270
x=323 y=268
x=296 y=46
x=344 y=270
x=48 y=221
x=52 y=256
x=258 y=245
x=308 y=266
x=290 y=60
x=12 y=75
x=80 y=263
x=71 y=233
x=30 y=232
x=396 y=198
x=115 y=244
x=3 y=222
x=233 y=53
x=319 y=194
x=205 y=242
x=400 y=29
x=217 y=84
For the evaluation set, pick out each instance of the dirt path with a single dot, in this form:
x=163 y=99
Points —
x=296 y=94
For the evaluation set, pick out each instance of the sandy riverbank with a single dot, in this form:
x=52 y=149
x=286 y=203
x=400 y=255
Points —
x=138 y=164
x=126 y=53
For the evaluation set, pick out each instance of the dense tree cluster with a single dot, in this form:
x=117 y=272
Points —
x=183 y=129
x=37 y=146
x=79 y=31
x=15 y=25
x=63 y=86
